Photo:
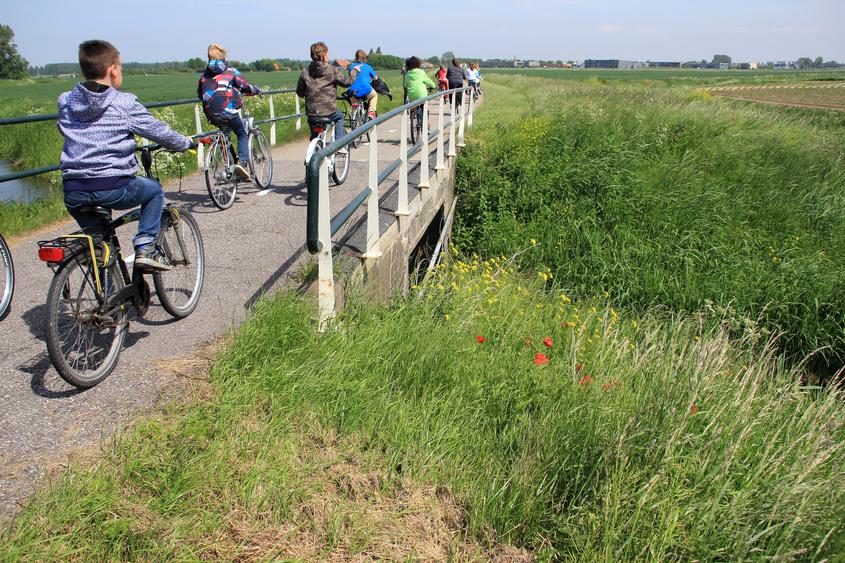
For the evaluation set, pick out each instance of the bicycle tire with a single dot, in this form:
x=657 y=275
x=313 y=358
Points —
x=340 y=165
x=83 y=353
x=7 y=278
x=357 y=121
x=413 y=127
x=182 y=246
x=260 y=158
x=221 y=187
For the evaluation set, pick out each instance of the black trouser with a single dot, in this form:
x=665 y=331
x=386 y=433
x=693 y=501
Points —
x=459 y=96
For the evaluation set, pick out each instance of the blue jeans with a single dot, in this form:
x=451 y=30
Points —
x=139 y=191
x=236 y=124
x=337 y=117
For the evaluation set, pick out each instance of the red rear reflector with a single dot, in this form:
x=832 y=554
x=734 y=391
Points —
x=51 y=254
x=317 y=130
x=206 y=140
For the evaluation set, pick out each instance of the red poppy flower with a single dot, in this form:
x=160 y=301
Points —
x=586 y=380
x=547 y=342
x=612 y=384
x=694 y=409
x=540 y=359
x=480 y=339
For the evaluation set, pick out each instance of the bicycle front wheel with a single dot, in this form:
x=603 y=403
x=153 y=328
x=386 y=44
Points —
x=83 y=345
x=7 y=278
x=179 y=289
x=260 y=158
x=218 y=179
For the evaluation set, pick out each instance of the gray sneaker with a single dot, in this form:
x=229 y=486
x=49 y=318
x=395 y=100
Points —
x=149 y=259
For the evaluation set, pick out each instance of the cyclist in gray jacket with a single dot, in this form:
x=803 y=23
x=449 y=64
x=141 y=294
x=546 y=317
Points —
x=318 y=85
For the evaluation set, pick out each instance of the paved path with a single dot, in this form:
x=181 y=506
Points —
x=251 y=248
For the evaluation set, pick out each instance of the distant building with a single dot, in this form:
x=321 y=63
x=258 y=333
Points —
x=533 y=64
x=612 y=63
x=664 y=64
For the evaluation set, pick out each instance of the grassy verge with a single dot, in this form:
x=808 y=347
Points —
x=561 y=427
x=667 y=196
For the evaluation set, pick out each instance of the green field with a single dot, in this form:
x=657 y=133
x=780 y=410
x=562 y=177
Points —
x=674 y=76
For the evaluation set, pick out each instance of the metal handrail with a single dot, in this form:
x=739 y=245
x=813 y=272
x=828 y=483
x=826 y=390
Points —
x=312 y=241
x=151 y=105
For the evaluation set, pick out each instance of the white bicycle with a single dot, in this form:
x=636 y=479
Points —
x=323 y=129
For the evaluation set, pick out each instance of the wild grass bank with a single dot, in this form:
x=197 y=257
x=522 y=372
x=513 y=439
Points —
x=667 y=196
x=562 y=427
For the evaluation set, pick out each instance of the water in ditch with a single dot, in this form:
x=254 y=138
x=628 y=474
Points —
x=26 y=190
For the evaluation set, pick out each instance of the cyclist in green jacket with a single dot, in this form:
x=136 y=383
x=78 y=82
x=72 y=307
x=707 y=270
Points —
x=416 y=81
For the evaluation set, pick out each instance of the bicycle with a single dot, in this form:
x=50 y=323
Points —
x=356 y=115
x=323 y=129
x=91 y=291
x=476 y=90
x=417 y=121
x=219 y=167
x=7 y=278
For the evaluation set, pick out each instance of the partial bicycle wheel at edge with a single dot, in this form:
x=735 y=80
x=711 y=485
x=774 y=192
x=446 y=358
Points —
x=179 y=289
x=7 y=278
x=83 y=347
x=260 y=159
x=220 y=189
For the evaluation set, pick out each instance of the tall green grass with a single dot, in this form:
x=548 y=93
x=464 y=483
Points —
x=648 y=437
x=670 y=197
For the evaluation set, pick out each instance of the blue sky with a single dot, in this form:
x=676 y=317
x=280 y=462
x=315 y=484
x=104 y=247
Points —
x=748 y=30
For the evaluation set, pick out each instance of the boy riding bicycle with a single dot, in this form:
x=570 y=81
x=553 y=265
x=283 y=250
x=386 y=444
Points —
x=98 y=164
x=220 y=89
x=417 y=83
x=318 y=85
x=363 y=75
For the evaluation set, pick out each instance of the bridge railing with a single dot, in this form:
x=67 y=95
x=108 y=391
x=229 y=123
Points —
x=320 y=227
x=4 y=121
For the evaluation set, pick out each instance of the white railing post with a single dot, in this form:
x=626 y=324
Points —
x=298 y=119
x=471 y=109
x=272 y=123
x=402 y=206
x=463 y=121
x=425 y=150
x=452 y=151
x=200 y=146
x=439 y=163
x=372 y=202
x=325 y=269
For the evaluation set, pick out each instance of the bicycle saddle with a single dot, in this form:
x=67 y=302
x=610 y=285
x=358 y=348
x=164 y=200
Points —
x=320 y=120
x=97 y=210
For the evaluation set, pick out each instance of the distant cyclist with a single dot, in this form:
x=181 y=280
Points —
x=362 y=87
x=318 y=85
x=98 y=163
x=416 y=81
x=456 y=75
x=474 y=79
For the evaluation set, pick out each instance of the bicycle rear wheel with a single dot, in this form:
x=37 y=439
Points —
x=357 y=121
x=83 y=346
x=218 y=179
x=7 y=278
x=340 y=167
x=260 y=158
x=416 y=126
x=179 y=289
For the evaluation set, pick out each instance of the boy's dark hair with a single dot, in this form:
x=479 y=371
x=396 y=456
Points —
x=318 y=49
x=456 y=62
x=95 y=58
x=413 y=62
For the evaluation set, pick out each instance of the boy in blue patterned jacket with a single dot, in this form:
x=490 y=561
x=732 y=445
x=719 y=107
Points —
x=220 y=89
x=98 y=163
